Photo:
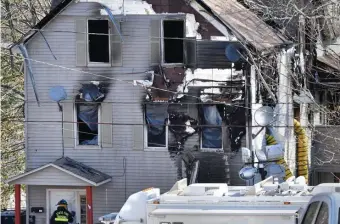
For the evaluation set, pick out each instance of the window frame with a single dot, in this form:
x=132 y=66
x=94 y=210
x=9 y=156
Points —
x=97 y=64
x=162 y=41
x=211 y=149
x=76 y=135
x=145 y=133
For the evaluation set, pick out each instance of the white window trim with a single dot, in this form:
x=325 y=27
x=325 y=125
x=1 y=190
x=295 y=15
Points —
x=79 y=192
x=147 y=148
x=211 y=149
x=162 y=42
x=97 y=64
x=76 y=137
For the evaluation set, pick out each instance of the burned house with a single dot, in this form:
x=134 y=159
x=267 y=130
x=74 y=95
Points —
x=123 y=98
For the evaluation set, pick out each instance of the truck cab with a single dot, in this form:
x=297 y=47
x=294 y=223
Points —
x=323 y=208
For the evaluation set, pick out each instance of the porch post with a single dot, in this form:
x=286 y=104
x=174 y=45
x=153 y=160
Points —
x=89 y=207
x=17 y=203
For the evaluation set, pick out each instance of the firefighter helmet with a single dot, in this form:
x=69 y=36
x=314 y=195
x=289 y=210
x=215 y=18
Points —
x=62 y=202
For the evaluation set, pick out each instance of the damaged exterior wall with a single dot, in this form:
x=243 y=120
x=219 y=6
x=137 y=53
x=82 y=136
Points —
x=121 y=107
x=192 y=89
x=44 y=139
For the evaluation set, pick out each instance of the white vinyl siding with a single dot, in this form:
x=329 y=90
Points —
x=122 y=101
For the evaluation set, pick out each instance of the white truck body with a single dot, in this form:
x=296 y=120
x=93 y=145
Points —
x=267 y=201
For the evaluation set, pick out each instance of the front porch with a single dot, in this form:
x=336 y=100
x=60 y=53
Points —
x=66 y=179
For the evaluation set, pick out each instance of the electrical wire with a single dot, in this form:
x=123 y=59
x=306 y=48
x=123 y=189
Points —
x=126 y=81
x=162 y=38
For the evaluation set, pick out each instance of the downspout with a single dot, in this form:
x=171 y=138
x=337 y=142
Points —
x=24 y=52
x=26 y=141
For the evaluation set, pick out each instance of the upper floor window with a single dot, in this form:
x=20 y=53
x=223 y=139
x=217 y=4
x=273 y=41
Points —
x=173 y=44
x=98 y=41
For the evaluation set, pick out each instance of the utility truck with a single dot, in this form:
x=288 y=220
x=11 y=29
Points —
x=290 y=202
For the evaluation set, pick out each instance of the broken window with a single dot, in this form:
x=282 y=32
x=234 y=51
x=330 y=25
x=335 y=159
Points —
x=156 y=116
x=211 y=137
x=87 y=114
x=173 y=47
x=98 y=39
x=87 y=123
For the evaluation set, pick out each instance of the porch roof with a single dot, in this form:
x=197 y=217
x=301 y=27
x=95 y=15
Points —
x=63 y=171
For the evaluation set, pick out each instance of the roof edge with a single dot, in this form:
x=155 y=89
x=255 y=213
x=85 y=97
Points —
x=10 y=180
x=239 y=35
x=44 y=21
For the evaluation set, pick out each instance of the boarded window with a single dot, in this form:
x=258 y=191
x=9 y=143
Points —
x=212 y=127
x=87 y=123
x=99 y=41
x=173 y=47
x=156 y=117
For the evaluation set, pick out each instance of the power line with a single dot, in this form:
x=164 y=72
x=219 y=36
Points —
x=116 y=79
x=126 y=81
x=164 y=38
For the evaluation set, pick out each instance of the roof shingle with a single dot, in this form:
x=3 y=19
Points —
x=81 y=170
x=244 y=24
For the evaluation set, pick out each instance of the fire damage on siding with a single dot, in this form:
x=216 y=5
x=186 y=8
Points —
x=198 y=115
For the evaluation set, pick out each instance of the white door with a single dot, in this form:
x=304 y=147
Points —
x=71 y=196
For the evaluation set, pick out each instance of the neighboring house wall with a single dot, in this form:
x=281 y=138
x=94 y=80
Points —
x=325 y=153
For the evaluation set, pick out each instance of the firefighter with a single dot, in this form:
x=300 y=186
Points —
x=62 y=215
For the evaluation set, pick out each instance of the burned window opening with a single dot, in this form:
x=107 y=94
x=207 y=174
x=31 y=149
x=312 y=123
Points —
x=87 y=111
x=87 y=123
x=212 y=135
x=98 y=44
x=182 y=126
x=156 y=117
x=173 y=48
x=237 y=125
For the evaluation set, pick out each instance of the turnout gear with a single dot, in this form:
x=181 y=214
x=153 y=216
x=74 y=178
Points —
x=61 y=215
